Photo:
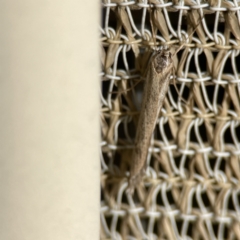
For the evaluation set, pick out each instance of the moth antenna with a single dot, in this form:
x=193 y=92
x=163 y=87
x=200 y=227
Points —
x=174 y=80
x=180 y=47
x=153 y=29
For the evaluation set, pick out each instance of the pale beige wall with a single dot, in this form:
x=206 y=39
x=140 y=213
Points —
x=49 y=115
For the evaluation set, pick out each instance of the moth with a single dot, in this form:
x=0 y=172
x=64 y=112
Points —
x=161 y=67
x=155 y=89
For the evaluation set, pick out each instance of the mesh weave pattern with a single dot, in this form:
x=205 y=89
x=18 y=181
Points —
x=191 y=187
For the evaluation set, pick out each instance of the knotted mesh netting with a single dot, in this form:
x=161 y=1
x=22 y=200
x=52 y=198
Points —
x=191 y=187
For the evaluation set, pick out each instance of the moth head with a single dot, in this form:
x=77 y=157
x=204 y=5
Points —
x=162 y=60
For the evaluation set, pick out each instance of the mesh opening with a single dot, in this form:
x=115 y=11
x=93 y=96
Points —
x=190 y=189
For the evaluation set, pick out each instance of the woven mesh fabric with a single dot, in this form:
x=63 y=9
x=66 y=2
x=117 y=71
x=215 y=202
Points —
x=191 y=187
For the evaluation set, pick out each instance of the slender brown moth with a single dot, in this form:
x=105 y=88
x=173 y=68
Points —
x=156 y=85
x=155 y=89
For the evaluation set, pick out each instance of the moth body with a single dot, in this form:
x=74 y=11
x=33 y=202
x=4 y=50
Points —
x=154 y=92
